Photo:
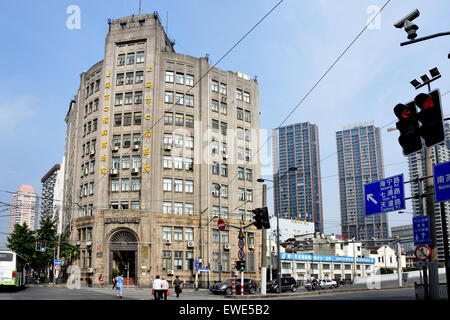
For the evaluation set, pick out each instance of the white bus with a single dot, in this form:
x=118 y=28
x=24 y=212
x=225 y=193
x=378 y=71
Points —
x=13 y=269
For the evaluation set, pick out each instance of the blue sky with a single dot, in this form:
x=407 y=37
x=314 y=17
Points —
x=42 y=59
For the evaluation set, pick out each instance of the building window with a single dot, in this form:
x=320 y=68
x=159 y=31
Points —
x=248 y=174
x=215 y=105
x=189 y=80
x=127 y=119
x=223 y=108
x=117 y=119
x=167 y=162
x=224 y=170
x=178 y=163
x=241 y=194
x=130 y=77
x=215 y=167
x=189 y=100
x=239 y=113
x=179 y=78
x=119 y=79
x=215 y=86
x=135 y=205
x=247 y=116
x=178 y=234
x=178 y=185
x=167 y=207
x=136 y=162
x=179 y=119
x=246 y=96
x=178 y=140
x=189 y=210
x=240 y=173
x=179 y=98
x=138 y=97
x=168 y=118
x=189 y=121
x=189 y=262
x=125 y=185
x=119 y=99
x=137 y=118
x=239 y=94
x=223 y=88
x=123 y=25
x=140 y=57
x=114 y=185
x=168 y=97
x=167 y=233
x=178 y=260
x=126 y=140
x=121 y=60
x=215 y=125
x=189 y=186
x=139 y=76
x=178 y=208
x=167 y=260
x=169 y=76
x=126 y=162
x=130 y=58
x=167 y=184
x=136 y=184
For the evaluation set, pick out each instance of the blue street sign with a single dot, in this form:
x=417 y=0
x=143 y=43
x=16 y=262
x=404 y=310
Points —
x=442 y=182
x=57 y=262
x=385 y=195
x=204 y=269
x=421 y=228
x=196 y=264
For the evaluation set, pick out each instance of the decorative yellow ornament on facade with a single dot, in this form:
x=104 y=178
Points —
x=103 y=170
x=104 y=145
x=146 y=168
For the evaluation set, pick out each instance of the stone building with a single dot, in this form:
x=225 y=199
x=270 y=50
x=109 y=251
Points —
x=150 y=135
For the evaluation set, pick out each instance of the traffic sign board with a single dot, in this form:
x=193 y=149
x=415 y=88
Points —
x=385 y=195
x=196 y=264
x=441 y=177
x=241 y=254
x=221 y=225
x=421 y=229
x=422 y=252
x=57 y=267
x=57 y=262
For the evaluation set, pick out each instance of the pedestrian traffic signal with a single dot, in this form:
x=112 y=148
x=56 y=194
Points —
x=430 y=117
x=409 y=128
x=240 y=265
x=40 y=246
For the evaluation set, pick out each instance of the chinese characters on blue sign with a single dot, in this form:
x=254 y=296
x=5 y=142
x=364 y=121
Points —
x=442 y=182
x=421 y=228
x=385 y=195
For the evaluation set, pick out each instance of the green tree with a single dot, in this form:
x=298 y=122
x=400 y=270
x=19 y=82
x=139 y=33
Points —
x=23 y=242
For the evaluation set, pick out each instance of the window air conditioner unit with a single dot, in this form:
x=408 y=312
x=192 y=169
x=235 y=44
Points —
x=167 y=147
x=115 y=149
x=224 y=99
x=78 y=243
x=167 y=241
x=90 y=270
x=114 y=172
x=89 y=243
x=136 y=147
x=190 y=244
x=92 y=152
x=247 y=158
x=251 y=246
x=134 y=170
x=170 y=272
x=226 y=246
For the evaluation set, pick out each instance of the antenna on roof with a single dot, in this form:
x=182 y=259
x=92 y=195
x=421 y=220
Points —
x=139 y=6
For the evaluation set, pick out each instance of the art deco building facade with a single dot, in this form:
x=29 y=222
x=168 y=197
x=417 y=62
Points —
x=25 y=208
x=360 y=161
x=150 y=134
x=297 y=194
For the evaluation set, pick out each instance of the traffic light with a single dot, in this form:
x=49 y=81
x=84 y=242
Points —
x=430 y=117
x=409 y=127
x=265 y=221
x=257 y=216
x=261 y=217
x=240 y=265
x=40 y=246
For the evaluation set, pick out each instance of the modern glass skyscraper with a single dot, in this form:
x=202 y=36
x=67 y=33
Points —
x=297 y=194
x=360 y=161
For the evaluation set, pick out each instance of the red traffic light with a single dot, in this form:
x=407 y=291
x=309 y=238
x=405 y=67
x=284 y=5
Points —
x=430 y=118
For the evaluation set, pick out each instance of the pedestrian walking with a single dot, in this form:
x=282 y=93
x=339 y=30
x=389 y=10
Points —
x=164 y=288
x=114 y=282
x=177 y=283
x=100 y=280
x=119 y=285
x=157 y=284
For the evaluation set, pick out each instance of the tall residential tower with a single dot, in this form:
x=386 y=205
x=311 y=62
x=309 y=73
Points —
x=360 y=161
x=25 y=208
x=297 y=194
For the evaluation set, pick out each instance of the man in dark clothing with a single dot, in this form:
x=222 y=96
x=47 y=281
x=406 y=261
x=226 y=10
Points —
x=177 y=283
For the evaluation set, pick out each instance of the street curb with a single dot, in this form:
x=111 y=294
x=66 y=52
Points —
x=300 y=294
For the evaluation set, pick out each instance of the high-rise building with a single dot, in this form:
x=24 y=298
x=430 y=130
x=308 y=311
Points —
x=360 y=161
x=416 y=162
x=25 y=208
x=297 y=194
x=52 y=189
x=151 y=134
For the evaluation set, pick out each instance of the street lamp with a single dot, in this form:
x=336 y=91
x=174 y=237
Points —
x=291 y=169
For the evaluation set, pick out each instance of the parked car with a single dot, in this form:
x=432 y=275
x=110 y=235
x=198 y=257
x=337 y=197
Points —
x=226 y=287
x=313 y=285
x=328 y=284
x=287 y=284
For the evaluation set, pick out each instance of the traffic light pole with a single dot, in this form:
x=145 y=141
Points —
x=264 y=246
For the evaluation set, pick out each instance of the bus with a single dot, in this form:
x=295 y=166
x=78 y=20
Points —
x=13 y=269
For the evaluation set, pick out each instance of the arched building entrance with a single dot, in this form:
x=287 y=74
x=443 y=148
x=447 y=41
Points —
x=123 y=246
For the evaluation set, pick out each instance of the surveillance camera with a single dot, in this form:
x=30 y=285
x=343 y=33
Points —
x=410 y=17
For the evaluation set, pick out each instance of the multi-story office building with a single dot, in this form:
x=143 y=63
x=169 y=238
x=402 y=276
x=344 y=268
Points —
x=52 y=190
x=416 y=162
x=360 y=161
x=25 y=208
x=150 y=135
x=297 y=194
